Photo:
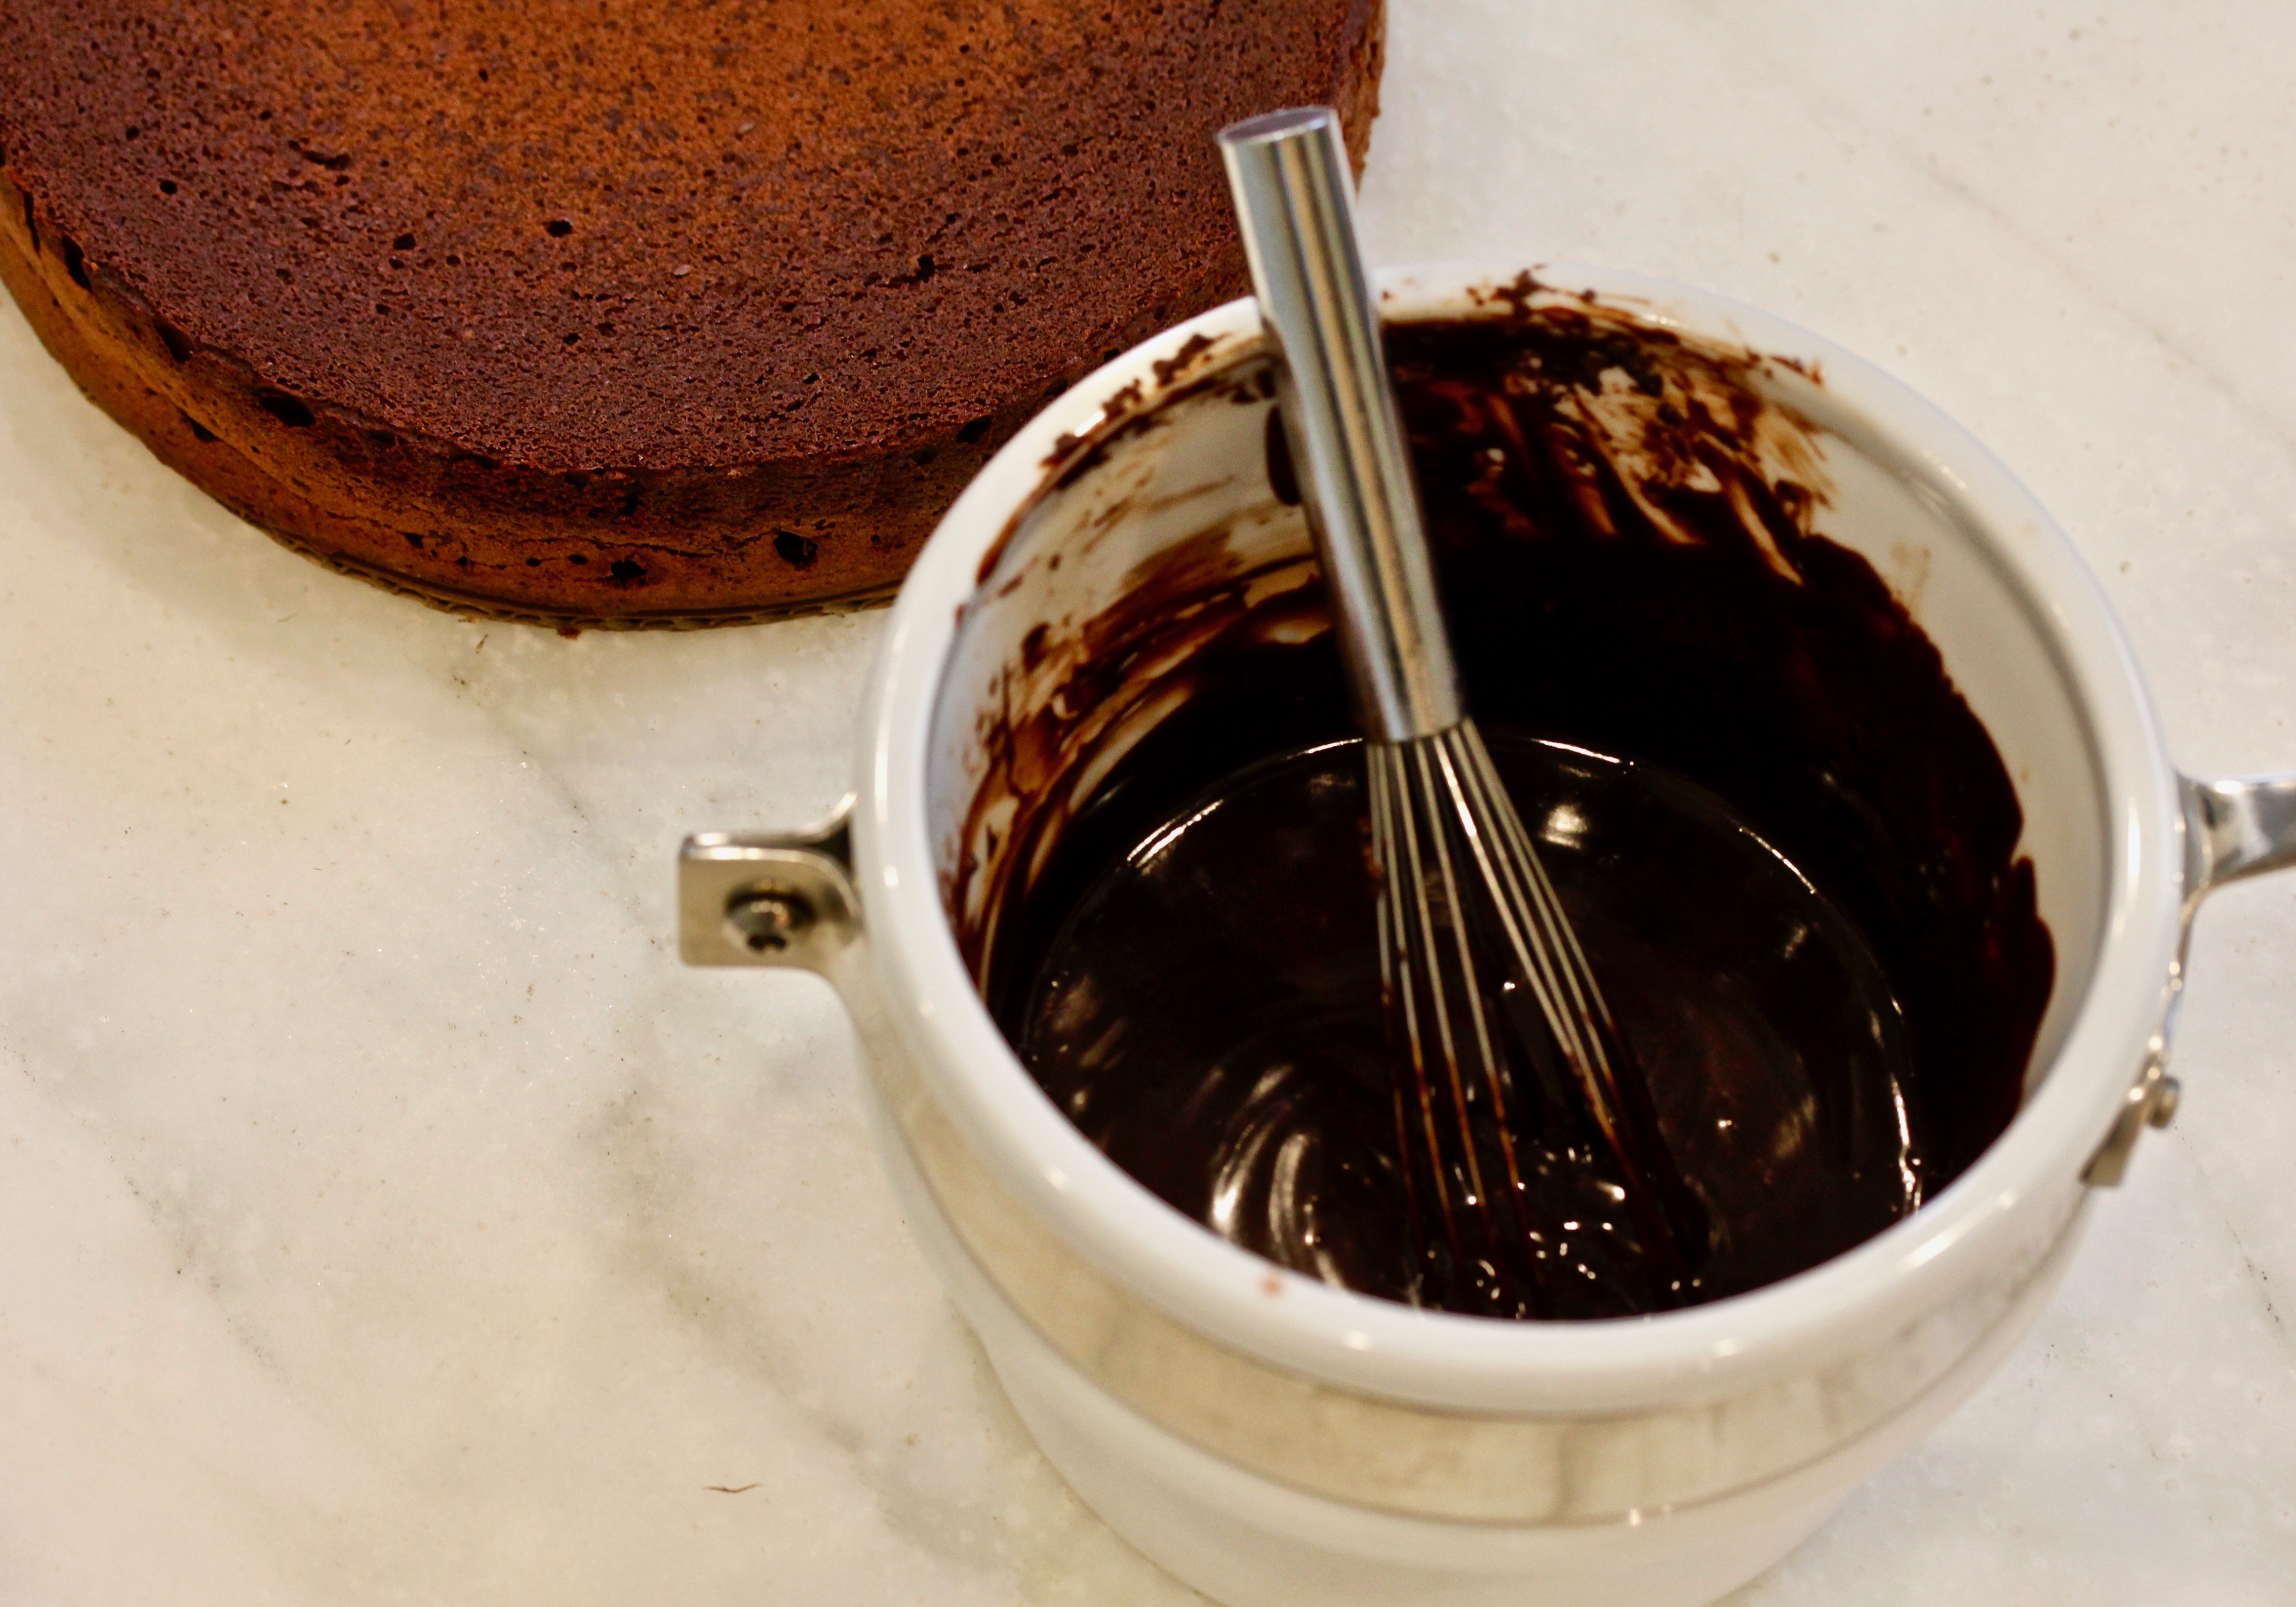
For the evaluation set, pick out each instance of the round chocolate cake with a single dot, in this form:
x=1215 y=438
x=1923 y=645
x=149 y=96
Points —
x=646 y=312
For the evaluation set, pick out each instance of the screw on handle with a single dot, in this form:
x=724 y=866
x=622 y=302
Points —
x=1288 y=176
x=764 y=920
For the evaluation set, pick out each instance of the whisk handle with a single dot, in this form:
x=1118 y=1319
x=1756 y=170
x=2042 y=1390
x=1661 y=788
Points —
x=1288 y=175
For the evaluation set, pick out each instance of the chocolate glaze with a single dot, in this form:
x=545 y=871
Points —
x=1624 y=525
x=1228 y=1049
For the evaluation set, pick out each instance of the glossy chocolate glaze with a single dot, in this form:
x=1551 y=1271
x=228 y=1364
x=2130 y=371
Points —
x=1786 y=839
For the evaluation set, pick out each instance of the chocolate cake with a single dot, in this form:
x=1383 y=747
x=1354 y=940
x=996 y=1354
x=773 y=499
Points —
x=646 y=312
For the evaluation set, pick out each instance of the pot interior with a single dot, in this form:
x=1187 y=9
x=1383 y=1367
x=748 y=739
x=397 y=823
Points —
x=1163 y=538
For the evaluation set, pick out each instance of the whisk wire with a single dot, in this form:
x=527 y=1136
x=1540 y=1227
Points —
x=1539 y=938
x=1433 y=960
x=1434 y=759
x=1399 y=975
x=1451 y=973
x=1422 y=959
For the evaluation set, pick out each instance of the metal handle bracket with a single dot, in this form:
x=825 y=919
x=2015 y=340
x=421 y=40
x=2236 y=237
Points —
x=781 y=898
x=2234 y=827
x=2237 y=826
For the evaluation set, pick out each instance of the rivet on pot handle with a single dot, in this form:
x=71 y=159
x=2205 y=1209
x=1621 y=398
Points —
x=2234 y=827
x=768 y=897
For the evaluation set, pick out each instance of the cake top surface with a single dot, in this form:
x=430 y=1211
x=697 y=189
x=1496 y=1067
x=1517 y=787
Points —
x=656 y=234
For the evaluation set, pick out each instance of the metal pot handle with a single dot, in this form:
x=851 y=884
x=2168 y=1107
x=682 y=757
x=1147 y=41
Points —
x=781 y=898
x=2234 y=827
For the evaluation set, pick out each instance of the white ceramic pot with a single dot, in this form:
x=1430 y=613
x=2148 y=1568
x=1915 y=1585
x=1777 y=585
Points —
x=1280 y=1443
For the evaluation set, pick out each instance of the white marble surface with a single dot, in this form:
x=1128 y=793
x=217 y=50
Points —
x=385 y=1218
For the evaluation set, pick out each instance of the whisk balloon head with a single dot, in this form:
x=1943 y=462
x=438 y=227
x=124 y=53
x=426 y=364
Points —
x=1516 y=1085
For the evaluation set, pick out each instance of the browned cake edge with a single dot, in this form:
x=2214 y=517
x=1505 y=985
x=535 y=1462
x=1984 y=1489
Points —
x=609 y=549
x=207 y=418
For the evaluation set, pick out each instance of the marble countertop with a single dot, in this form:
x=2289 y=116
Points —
x=386 y=1217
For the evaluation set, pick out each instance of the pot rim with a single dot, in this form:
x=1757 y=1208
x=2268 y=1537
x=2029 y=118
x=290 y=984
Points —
x=1479 y=1364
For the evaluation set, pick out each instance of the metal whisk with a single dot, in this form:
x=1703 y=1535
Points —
x=1477 y=955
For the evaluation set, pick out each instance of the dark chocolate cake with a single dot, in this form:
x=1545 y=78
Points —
x=646 y=312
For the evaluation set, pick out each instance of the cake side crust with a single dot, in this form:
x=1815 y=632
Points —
x=754 y=542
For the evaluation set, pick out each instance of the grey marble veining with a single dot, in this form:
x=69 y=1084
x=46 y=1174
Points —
x=386 y=1217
